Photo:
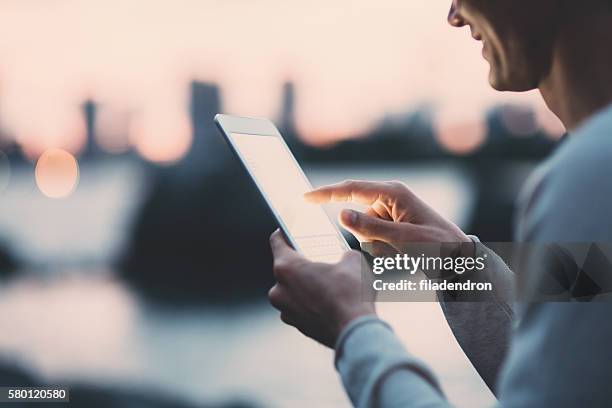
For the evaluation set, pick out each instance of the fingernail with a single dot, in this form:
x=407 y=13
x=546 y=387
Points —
x=349 y=217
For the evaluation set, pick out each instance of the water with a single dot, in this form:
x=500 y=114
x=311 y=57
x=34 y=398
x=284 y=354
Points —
x=88 y=227
x=77 y=321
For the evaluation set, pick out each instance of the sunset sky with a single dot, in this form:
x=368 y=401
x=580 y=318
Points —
x=352 y=61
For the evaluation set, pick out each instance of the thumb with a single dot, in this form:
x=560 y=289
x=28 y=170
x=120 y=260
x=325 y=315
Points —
x=280 y=247
x=371 y=228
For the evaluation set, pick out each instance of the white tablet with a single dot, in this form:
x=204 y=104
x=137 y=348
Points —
x=282 y=183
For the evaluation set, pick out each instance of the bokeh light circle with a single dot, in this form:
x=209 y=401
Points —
x=461 y=138
x=57 y=173
x=519 y=120
x=163 y=138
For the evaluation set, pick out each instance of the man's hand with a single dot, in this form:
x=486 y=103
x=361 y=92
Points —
x=395 y=217
x=318 y=299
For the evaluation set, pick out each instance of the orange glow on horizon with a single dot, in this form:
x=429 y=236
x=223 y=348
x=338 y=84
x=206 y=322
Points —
x=162 y=139
x=345 y=77
x=51 y=129
x=461 y=138
x=112 y=130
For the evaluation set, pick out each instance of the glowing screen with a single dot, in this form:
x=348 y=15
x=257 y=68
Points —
x=283 y=183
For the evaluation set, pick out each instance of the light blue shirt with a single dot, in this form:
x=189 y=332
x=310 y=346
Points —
x=555 y=354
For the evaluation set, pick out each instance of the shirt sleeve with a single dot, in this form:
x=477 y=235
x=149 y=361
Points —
x=482 y=324
x=377 y=371
x=560 y=358
x=560 y=352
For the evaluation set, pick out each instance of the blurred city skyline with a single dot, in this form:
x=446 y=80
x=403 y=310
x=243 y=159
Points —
x=136 y=60
x=118 y=194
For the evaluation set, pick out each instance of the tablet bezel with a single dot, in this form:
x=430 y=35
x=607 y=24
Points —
x=228 y=124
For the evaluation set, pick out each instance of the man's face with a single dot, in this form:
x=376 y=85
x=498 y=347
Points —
x=517 y=38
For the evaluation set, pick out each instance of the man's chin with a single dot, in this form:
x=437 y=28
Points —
x=495 y=84
x=501 y=84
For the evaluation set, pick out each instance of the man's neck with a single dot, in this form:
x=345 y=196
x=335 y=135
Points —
x=580 y=79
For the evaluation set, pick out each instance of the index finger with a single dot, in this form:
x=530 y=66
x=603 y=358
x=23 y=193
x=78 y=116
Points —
x=364 y=192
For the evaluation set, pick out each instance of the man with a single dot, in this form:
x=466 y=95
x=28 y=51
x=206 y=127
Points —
x=560 y=354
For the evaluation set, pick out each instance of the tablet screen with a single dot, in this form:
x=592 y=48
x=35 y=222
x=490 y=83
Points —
x=281 y=180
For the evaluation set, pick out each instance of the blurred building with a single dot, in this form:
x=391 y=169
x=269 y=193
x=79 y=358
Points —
x=202 y=232
x=286 y=120
x=91 y=149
